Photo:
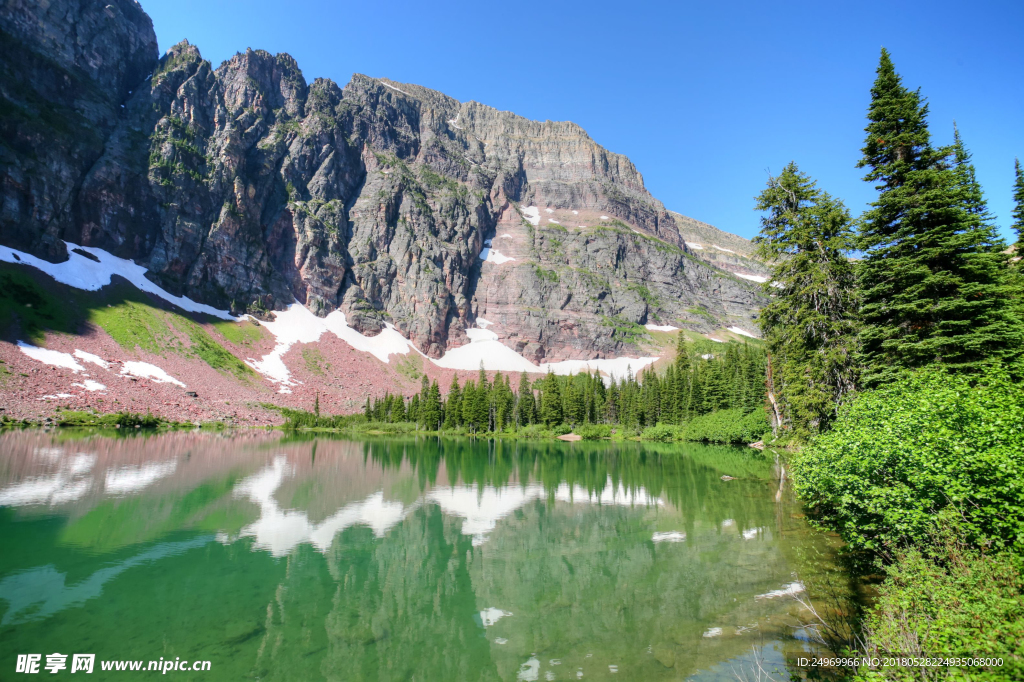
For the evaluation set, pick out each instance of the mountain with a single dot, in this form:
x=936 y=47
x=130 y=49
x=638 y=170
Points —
x=246 y=188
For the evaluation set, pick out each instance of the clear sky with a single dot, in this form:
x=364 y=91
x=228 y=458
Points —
x=704 y=97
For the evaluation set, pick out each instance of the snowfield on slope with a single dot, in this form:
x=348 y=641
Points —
x=742 y=332
x=82 y=272
x=295 y=324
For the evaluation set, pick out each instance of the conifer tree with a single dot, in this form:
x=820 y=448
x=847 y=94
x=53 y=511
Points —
x=413 y=413
x=1018 y=207
x=453 y=405
x=470 y=406
x=551 y=401
x=525 y=406
x=809 y=324
x=434 y=406
x=932 y=282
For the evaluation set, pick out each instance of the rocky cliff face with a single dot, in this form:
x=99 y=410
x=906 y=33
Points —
x=246 y=187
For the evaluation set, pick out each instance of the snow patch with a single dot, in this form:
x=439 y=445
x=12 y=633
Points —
x=737 y=330
x=145 y=370
x=82 y=272
x=91 y=385
x=716 y=246
x=575 y=212
x=94 y=359
x=694 y=246
x=532 y=215
x=482 y=323
x=610 y=366
x=387 y=85
x=51 y=357
x=753 y=278
x=661 y=327
x=56 y=396
x=505 y=236
x=711 y=338
x=552 y=220
x=297 y=324
x=493 y=256
x=549 y=210
x=713 y=632
x=670 y=536
x=604 y=217
x=751 y=533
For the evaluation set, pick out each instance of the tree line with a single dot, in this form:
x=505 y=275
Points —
x=704 y=377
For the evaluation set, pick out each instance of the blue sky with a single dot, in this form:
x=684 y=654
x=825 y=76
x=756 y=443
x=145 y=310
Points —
x=705 y=98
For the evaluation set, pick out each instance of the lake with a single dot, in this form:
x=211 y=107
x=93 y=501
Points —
x=278 y=557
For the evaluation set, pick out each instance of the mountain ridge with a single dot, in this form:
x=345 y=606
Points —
x=247 y=187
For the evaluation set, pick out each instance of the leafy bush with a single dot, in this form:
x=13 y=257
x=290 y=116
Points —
x=561 y=429
x=931 y=444
x=727 y=426
x=948 y=599
x=535 y=431
x=594 y=431
x=663 y=433
x=124 y=420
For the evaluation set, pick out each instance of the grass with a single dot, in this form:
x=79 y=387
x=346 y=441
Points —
x=25 y=302
x=209 y=351
x=38 y=305
x=315 y=361
x=134 y=323
x=120 y=420
x=245 y=333
x=410 y=366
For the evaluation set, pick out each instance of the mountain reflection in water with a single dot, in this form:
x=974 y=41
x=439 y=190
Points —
x=409 y=559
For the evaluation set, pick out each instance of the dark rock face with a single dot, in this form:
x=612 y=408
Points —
x=66 y=67
x=246 y=187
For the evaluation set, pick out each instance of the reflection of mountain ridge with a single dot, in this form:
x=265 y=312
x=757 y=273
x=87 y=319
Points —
x=383 y=560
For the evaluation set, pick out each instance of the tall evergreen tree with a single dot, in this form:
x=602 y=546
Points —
x=525 y=405
x=551 y=401
x=453 y=405
x=932 y=281
x=1018 y=207
x=808 y=324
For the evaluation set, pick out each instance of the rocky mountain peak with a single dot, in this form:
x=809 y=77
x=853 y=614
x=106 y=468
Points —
x=247 y=189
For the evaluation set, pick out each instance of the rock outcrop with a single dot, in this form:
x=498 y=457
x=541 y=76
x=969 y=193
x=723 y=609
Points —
x=246 y=187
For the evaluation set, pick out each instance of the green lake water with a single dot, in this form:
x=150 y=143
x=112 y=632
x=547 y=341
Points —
x=305 y=559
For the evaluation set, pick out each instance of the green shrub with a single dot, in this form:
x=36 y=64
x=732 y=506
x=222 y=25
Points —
x=561 y=429
x=663 y=433
x=930 y=444
x=124 y=420
x=727 y=426
x=594 y=431
x=535 y=431
x=949 y=600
